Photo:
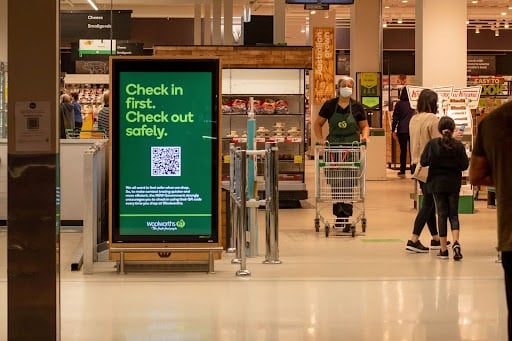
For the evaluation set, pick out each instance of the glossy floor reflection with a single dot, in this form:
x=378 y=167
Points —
x=336 y=288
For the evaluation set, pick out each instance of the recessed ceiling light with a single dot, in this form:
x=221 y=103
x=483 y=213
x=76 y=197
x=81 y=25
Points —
x=467 y=22
x=312 y=12
x=405 y=1
x=386 y=6
x=474 y=1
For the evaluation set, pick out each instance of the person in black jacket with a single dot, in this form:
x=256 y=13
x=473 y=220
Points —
x=400 y=127
x=446 y=158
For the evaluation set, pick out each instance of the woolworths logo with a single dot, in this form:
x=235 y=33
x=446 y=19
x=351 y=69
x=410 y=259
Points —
x=167 y=225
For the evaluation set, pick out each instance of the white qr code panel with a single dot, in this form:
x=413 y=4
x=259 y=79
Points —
x=165 y=161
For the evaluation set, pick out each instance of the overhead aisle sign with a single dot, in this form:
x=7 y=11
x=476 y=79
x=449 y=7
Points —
x=165 y=174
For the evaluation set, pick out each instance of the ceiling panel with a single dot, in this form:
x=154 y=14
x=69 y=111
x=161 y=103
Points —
x=483 y=13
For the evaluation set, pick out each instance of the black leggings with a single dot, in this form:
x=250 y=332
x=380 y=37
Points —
x=426 y=214
x=447 y=206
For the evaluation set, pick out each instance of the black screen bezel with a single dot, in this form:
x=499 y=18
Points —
x=138 y=64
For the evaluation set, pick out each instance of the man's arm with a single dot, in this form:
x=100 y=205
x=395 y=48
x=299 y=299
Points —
x=480 y=171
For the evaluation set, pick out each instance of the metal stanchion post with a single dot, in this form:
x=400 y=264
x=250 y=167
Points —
x=235 y=198
x=232 y=203
x=243 y=214
x=272 y=194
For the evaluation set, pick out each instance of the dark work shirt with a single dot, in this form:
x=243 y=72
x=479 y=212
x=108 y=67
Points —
x=331 y=105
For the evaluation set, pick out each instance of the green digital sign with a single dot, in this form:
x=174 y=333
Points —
x=165 y=150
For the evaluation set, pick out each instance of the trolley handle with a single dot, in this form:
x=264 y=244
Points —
x=341 y=144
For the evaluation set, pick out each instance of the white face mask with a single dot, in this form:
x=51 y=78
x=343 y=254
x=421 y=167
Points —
x=346 y=92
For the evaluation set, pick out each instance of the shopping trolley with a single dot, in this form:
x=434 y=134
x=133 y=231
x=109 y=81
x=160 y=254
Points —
x=340 y=172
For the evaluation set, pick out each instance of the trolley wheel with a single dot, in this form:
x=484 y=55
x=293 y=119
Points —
x=327 y=230
x=353 y=230
x=317 y=224
x=363 y=224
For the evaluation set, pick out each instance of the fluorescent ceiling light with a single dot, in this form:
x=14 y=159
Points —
x=93 y=5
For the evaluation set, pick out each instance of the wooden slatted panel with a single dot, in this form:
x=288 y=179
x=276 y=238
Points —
x=272 y=57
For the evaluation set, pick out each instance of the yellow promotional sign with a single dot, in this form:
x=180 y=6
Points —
x=369 y=79
x=323 y=64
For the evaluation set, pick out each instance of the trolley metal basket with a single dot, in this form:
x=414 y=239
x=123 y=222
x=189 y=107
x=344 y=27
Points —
x=340 y=172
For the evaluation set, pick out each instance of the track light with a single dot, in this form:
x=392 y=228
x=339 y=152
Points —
x=246 y=13
x=497 y=33
x=477 y=29
x=93 y=4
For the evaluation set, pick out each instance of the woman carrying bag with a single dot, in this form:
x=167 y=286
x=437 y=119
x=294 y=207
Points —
x=423 y=128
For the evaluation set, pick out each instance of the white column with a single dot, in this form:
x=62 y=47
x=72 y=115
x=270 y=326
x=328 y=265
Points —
x=441 y=42
x=279 y=21
x=207 y=23
x=366 y=37
x=217 y=11
x=197 y=23
x=3 y=31
x=228 y=22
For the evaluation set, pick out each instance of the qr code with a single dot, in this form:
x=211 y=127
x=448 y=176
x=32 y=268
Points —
x=33 y=123
x=165 y=161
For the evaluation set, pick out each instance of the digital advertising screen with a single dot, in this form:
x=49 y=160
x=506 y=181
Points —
x=164 y=134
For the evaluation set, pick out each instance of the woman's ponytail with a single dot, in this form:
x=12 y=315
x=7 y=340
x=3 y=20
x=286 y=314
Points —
x=446 y=127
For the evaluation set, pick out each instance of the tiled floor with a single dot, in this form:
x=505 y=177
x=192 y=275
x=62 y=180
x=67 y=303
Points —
x=336 y=288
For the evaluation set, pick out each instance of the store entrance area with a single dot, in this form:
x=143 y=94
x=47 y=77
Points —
x=337 y=288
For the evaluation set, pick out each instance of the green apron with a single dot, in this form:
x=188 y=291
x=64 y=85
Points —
x=343 y=127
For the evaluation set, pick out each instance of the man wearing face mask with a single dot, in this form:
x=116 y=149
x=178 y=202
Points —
x=347 y=123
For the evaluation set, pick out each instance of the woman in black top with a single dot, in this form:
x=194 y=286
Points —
x=447 y=159
x=400 y=127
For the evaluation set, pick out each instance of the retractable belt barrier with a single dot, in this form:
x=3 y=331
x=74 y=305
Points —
x=238 y=188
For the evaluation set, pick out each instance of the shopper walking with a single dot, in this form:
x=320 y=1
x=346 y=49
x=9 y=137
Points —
x=67 y=116
x=77 y=109
x=423 y=128
x=348 y=123
x=400 y=127
x=104 y=115
x=491 y=162
x=446 y=158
